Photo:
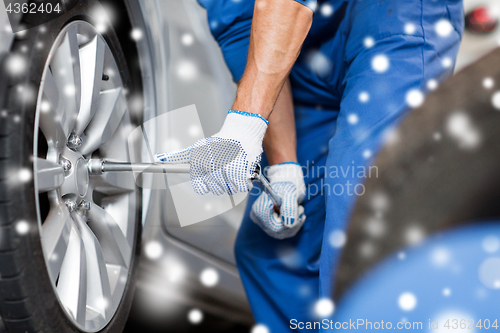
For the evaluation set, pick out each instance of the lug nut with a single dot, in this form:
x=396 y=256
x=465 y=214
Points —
x=74 y=142
x=85 y=205
x=66 y=164
x=71 y=205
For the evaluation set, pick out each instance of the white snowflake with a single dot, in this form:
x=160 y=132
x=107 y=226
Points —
x=375 y=227
x=488 y=83
x=368 y=42
x=380 y=202
x=337 y=239
x=352 y=119
x=495 y=100
x=319 y=63
x=195 y=316
x=22 y=227
x=410 y=28
x=451 y=316
x=432 y=84
x=407 y=301
x=153 y=250
x=16 y=64
x=312 y=4
x=209 y=277
x=326 y=10
x=367 y=250
x=324 y=307
x=460 y=128
x=24 y=174
x=363 y=97
x=136 y=34
x=22 y=32
x=391 y=136
x=440 y=256
x=187 y=39
x=194 y=131
x=414 y=235
x=187 y=70
x=101 y=27
x=491 y=244
x=415 y=98
x=443 y=28
x=380 y=63
x=260 y=328
x=70 y=90
x=447 y=62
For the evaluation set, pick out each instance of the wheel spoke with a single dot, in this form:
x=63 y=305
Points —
x=115 y=246
x=72 y=285
x=65 y=69
x=91 y=65
x=98 y=291
x=52 y=116
x=49 y=175
x=55 y=237
x=110 y=111
x=82 y=108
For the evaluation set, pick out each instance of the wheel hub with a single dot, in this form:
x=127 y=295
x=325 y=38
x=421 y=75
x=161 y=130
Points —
x=81 y=177
x=76 y=175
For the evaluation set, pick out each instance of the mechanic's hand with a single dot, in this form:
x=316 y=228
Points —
x=225 y=162
x=287 y=180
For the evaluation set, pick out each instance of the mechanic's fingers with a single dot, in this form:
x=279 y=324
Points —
x=224 y=182
x=302 y=215
x=174 y=157
x=263 y=215
x=213 y=186
x=199 y=186
x=289 y=210
x=236 y=179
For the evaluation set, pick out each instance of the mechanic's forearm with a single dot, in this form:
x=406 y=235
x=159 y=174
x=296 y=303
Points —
x=279 y=28
x=280 y=141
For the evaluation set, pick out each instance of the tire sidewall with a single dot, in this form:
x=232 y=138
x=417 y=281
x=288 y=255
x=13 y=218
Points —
x=47 y=312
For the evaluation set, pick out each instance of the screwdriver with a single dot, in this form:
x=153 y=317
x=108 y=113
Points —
x=100 y=166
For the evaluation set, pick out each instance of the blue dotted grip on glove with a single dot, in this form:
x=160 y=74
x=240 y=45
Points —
x=291 y=217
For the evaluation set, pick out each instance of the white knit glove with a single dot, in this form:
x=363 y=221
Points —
x=226 y=161
x=287 y=180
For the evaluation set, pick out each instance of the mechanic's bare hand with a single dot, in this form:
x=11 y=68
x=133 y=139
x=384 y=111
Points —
x=226 y=161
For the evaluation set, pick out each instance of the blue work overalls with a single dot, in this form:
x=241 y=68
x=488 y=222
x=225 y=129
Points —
x=363 y=66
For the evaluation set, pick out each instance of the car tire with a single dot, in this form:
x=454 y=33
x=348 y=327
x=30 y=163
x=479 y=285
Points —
x=28 y=298
x=438 y=170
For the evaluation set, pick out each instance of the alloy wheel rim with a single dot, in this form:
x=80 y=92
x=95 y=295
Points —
x=87 y=234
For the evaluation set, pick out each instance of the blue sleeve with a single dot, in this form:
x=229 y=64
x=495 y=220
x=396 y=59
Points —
x=308 y=3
